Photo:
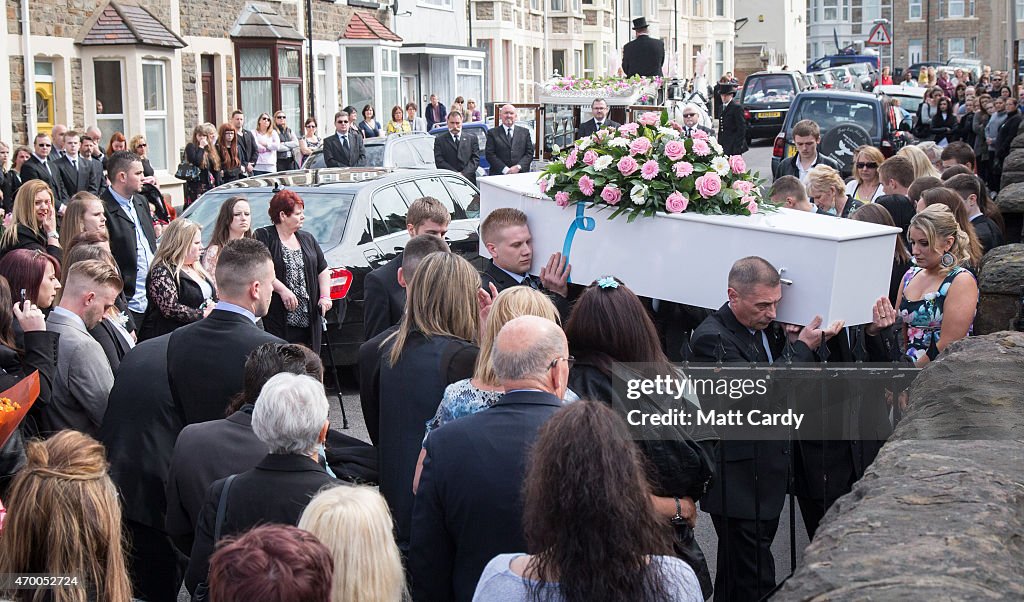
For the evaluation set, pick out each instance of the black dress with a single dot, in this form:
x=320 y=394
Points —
x=207 y=178
x=276 y=320
x=33 y=241
x=171 y=304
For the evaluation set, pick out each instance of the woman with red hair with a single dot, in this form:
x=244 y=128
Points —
x=33 y=272
x=302 y=288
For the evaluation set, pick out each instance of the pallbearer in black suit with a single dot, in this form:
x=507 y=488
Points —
x=39 y=167
x=86 y=150
x=732 y=127
x=457 y=152
x=644 y=55
x=507 y=237
x=76 y=171
x=383 y=295
x=509 y=147
x=599 y=109
x=345 y=149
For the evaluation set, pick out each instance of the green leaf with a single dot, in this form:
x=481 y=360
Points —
x=664 y=118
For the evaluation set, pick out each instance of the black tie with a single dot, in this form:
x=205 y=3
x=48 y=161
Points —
x=598 y=124
x=344 y=144
x=531 y=282
x=509 y=131
x=689 y=132
x=74 y=163
x=456 y=141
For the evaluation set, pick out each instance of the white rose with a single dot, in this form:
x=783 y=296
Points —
x=715 y=145
x=667 y=132
x=638 y=194
x=555 y=149
x=583 y=143
x=720 y=165
x=603 y=162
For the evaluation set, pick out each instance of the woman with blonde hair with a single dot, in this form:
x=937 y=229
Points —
x=826 y=187
x=941 y=195
x=268 y=141
x=920 y=161
x=178 y=288
x=33 y=222
x=202 y=153
x=938 y=298
x=866 y=186
x=84 y=213
x=64 y=518
x=355 y=525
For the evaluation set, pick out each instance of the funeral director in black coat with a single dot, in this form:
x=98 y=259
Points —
x=455 y=151
x=509 y=146
x=644 y=55
x=599 y=109
x=732 y=127
x=345 y=149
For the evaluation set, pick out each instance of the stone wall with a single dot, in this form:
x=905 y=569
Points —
x=190 y=93
x=17 y=65
x=940 y=513
x=77 y=102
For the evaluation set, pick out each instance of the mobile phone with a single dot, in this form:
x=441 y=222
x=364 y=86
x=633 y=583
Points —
x=23 y=298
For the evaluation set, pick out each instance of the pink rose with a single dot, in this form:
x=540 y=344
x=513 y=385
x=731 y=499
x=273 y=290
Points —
x=676 y=203
x=708 y=185
x=675 y=150
x=611 y=194
x=737 y=164
x=543 y=185
x=743 y=186
x=699 y=134
x=627 y=165
x=640 y=146
x=629 y=128
x=650 y=118
x=649 y=170
x=701 y=148
x=589 y=157
x=752 y=206
x=562 y=199
x=683 y=169
x=570 y=159
x=586 y=186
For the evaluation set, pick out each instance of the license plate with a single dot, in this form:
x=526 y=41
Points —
x=770 y=115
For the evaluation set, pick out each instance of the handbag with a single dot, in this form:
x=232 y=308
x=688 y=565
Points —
x=186 y=171
x=202 y=593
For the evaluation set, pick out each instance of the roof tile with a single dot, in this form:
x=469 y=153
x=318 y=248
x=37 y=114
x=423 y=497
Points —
x=127 y=24
x=366 y=27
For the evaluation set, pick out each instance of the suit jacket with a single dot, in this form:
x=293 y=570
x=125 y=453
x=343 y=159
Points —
x=370 y=358
x=121 y=229
x=419 y=124
x=500 y=155
x=277 y=490
x=432 y=119
x=203 y=454
x=335 y=155
x=84 y=379
x=468 y=507
x=206 y=362
x=589 y=127
x=463 y=159
x=732 y=129
x=501 y=281
x=751 y=472
x=34 y=169
x=11 y=183
x=247 y=151
x=989 y=234
x=788 y=167
x=80 y=179
x=383 y=298
x=706 y=130
x=1007 y=132
x=643 y=56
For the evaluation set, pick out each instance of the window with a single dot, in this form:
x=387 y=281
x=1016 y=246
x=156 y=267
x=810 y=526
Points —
x=45 y=96
x=323 y=105
x=957 y=46
x=915 y=10
x=915 y=49
x=445 y=4
x=359 y=81
x=465 y=197
x=535 y=4
x=289 y=75
x=955 y=9
x=636 y=8
x=558 y=61
x=389 y=212
x=469 y=80
x=942 y=50
x=831 y=10
x=154 y=110
x=719 y=60
x=588 y=60
x=389 y=78
x=577 y=62
x=270 y=78
x=558 y=6
x=698 y=8
x=1020 y=10
x=719 y=8
x=109 y=76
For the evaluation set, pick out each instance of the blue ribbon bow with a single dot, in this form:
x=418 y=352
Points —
x=580 y=222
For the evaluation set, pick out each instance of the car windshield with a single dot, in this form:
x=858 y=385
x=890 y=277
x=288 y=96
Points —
x=830 y=112
x=374 y=155
x=909 y=103
x=326 y=211
x=769 y=88
x=859 y=68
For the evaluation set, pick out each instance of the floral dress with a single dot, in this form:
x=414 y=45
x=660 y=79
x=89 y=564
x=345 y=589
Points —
x=924 y=317
x=296 y=282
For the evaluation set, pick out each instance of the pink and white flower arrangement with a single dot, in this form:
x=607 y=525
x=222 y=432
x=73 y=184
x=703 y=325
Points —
x=657 y=170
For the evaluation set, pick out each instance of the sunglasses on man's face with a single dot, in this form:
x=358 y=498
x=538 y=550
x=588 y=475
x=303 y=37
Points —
x=689 y=114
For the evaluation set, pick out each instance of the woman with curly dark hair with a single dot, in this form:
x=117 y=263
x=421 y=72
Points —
x=588 y=518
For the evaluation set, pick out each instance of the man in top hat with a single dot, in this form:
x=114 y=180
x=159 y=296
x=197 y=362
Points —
x=732 y=126
x=644 y=55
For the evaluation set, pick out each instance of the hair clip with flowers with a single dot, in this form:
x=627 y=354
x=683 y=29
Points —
x=608 y=282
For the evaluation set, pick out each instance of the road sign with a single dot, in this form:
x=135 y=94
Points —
x=879 y=36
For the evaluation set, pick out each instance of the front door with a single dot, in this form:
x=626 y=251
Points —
x=209 y=91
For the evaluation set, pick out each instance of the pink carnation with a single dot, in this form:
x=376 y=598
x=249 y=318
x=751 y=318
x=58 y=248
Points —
x=751 y=206
x=701 y=148
x=699 y=134
x=737 y=164
x=743 y=186
x=543 y=185
x=708 y=185
x=675 y=150
x=640 y=146
x=562 y=199
x=650 y=118
x=627 y=165
x=570 y=159
x=611 y=194
x=587 y=186
x=683 y=169
x=676 y=203
x=589 y=157
x=629 y=128
x=649 y=170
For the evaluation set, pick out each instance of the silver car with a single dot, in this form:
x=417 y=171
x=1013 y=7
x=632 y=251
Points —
x=406 y=150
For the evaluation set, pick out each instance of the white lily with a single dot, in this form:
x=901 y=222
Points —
x=668 y=132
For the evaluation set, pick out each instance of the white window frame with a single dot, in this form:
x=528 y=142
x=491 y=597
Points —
x=830 y=6
x=558 y=6
x=955 y=9
x=915 y=50
x=1020 y=10
x=437 y=5
x=957 y=47
x=915 y=10
x=106 y=117
x=719 y=60
x=157 y=114
x=589 y=60
x=636 y=8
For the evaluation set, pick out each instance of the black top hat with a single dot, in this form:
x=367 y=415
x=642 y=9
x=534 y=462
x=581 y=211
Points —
x=727 y=89
x=640 y=23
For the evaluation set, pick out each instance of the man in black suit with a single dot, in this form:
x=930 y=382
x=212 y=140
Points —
x=468 y=507
x=506 y=235
x=247 y=152
x=732 y=127
x=345 y=149
x=968 y=186
x=457 y=152
x=97 y=179
x=97 y=136
x=130 y=226
x=435 y=112
x=599 y=109
x=58 y=135
x=383 y=293
x=691 y=122
x=806 y=137
x=40 y=167
x=754 y=473
x=1008 y=130
x=644 y=55
x=509 y=147
x=76 y=172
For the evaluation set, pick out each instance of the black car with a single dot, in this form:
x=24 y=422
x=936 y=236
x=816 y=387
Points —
x=765 y=100
x=358 y=217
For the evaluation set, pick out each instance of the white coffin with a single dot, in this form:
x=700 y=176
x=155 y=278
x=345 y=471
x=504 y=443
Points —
x=838 y=267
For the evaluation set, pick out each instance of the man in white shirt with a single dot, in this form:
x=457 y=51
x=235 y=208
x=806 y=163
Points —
x=806 y=137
